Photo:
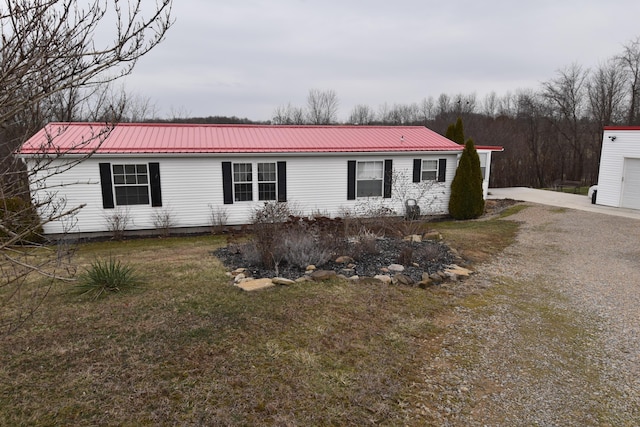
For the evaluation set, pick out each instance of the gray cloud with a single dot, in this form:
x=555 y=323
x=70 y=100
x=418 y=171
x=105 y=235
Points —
x=246 y=58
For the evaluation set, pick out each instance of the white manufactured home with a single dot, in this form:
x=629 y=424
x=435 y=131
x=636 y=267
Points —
x=197 y=173
x=619 y=175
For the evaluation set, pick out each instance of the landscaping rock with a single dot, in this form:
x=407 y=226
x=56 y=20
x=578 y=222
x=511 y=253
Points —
x=344 y=260
x=322 y=275
x=396 y=268
x=238 y=277
x=435 y=277
x=457 y=270
x=282 y=281
x=303 y=279
x=238 y=271
x=414 y=238
x=401 y=279
x=432 y=235
x=256 y=284
x=428 y=256
x=423 y=284
x=383 y=278
x=370 y=281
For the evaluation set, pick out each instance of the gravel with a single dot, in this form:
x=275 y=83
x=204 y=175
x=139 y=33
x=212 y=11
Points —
x=549 y=331
x=428 y=256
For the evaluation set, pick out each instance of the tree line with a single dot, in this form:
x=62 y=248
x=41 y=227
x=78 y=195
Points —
x=550 y=133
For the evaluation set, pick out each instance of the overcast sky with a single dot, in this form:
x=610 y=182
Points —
x=246 y=57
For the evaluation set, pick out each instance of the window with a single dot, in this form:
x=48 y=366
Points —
x=242 y=182
x=238 y=184
x=369 y=179
x=429 y=170
x=267 y=181
x=483 y=164
x=131 y=184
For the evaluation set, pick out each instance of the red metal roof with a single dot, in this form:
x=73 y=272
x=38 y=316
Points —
x=163 y=138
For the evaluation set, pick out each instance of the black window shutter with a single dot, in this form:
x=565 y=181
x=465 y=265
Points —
x=282 y=181
x=417 y=169
x=388 y=176
x=442 y=170
x=107 y=188
x=227 y=183
x=154 y=181
x=351 y=180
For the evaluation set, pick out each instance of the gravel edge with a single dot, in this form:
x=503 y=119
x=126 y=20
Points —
x=549 y=331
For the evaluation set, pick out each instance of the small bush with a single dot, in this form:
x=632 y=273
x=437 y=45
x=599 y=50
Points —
x=164 y=221
x=107 y=276
x=365 y=243
x=117 y=222
x=218 y=218
x=268 y=225
x=302 y=248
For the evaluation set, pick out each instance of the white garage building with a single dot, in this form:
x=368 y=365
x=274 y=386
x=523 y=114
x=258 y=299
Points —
x=619 y=175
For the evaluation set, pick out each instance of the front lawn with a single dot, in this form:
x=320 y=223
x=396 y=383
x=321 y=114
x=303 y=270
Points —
x=187 y=347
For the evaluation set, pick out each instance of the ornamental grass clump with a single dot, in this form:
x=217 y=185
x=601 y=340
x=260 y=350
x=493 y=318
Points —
x=104 y=277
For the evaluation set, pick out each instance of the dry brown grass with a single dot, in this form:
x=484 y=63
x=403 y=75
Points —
x=189 y=348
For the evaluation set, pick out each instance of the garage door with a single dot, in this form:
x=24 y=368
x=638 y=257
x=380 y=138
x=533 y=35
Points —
x=631 y=184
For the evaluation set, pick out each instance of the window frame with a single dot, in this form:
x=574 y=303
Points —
x=242 y=189
x=136 y=193
x=271 y=184
x=424 y=170
x=359 y=192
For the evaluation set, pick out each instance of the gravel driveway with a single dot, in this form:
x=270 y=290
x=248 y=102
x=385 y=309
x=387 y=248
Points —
x=549 y=334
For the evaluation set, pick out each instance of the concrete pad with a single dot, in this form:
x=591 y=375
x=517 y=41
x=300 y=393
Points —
x=559 y=199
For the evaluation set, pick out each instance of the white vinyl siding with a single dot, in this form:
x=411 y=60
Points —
x=613 y=166
x=315 y=183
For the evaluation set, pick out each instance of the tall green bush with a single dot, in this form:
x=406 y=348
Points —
x=455 y=132
x=467 y=200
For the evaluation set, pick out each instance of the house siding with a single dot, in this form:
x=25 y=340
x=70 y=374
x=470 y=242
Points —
x=191 y=187
x=625 y=145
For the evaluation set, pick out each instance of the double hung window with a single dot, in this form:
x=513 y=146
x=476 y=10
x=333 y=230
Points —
x=267 y=181
x=429 y=170
x=131 y=184
x=242 y=182
x=369 y=179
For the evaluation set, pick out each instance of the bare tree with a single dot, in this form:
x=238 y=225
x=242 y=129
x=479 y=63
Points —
x=289 y=115
x=322 y=107
x=362 y=114
x=490 y=105
x=630 y=59
x=49 y=61
x=444 y=104
x=566 y=95
x=606 y=90
x=426 y=110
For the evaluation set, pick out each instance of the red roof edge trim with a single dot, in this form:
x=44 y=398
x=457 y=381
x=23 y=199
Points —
x=489 y=147
x=622 y=128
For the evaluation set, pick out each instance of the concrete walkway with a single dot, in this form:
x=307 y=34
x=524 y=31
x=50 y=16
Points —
x=557 y=198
